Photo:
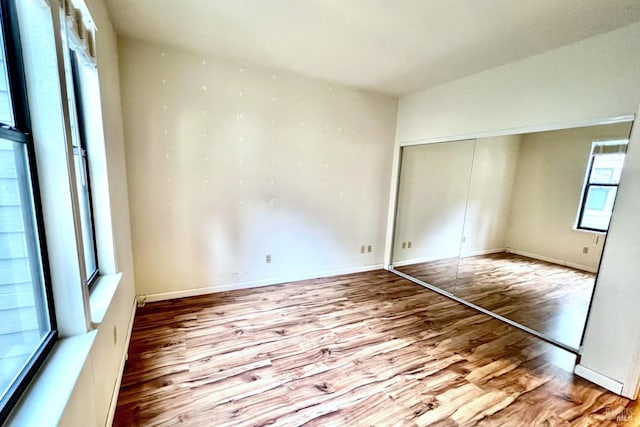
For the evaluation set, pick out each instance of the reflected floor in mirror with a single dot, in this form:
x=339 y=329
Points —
x=441 y=273
x=549 y=298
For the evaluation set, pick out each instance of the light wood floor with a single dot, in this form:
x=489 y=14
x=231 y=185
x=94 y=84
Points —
x=363 y=349
x=548 y=298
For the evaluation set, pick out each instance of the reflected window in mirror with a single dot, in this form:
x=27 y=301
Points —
x=601 y=185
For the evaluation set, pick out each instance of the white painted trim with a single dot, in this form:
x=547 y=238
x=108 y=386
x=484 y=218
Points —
x=597 y=378
x=631 y=387
x=553 y=260
x=102 y=295
x=116 y=389
x=521 y=130
x=43 y=50
x=161 y=296
x=43 y=403
x=394 y=188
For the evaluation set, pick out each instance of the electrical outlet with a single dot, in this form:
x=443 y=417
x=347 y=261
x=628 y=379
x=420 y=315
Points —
x=268 y=259
x=585 y=250
x=115 y=334
x=409 y=245
x=404 y=245
x=369 y=248
x=362 y=249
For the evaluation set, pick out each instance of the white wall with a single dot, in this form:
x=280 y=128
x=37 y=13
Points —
x=228 y=162
x=547 y=192
x=432 y=200
x=591 y=79
x=490 y=190
x=612 y=336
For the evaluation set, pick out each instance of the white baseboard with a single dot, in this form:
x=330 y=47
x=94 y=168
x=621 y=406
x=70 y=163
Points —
x=432 y=259
x=498 y=250
x=418 y=261
x=552 y=260
x=116 y=389
x=483 y=252
x=162 y=296
x=599 y=379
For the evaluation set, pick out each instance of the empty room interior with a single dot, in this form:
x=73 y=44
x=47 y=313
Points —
x=324 y=213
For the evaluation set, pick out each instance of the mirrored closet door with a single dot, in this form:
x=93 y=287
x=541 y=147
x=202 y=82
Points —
x=430 y=218
x=513 y=224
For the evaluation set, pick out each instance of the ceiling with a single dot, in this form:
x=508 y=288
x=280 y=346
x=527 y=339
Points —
x=391 y=46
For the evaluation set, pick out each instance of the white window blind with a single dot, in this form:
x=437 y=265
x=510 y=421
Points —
x=81 y=35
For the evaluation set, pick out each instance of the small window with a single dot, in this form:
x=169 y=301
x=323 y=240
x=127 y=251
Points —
x=601 y=185
x=82 y=172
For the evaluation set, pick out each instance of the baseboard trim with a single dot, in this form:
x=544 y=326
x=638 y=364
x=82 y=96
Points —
x=431 y=259
x=162 y=296
x=552 y=260
x=116 y=389
x=483 y=252
x=418 y=261
x=599 y=379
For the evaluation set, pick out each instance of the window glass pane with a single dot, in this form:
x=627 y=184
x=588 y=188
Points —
x=24 y=318
x=72 y=83
x=85 y=214
x=597 y=199
x=598 y=207
x=606 y=168
x=6 y=109
x=81 y=168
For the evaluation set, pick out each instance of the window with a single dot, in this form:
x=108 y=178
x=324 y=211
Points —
x=27 y=321
x=601 y=185
x=82 y=172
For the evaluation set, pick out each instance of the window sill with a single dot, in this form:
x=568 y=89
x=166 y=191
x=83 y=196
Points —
x=45 y=400
x=102 y=295
x=583 y=230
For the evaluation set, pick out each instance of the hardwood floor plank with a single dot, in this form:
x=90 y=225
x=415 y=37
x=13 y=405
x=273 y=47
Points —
x=362 y=349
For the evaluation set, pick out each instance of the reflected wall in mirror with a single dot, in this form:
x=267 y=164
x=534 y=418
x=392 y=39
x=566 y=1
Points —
x=529 y=229
x=434 y=186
